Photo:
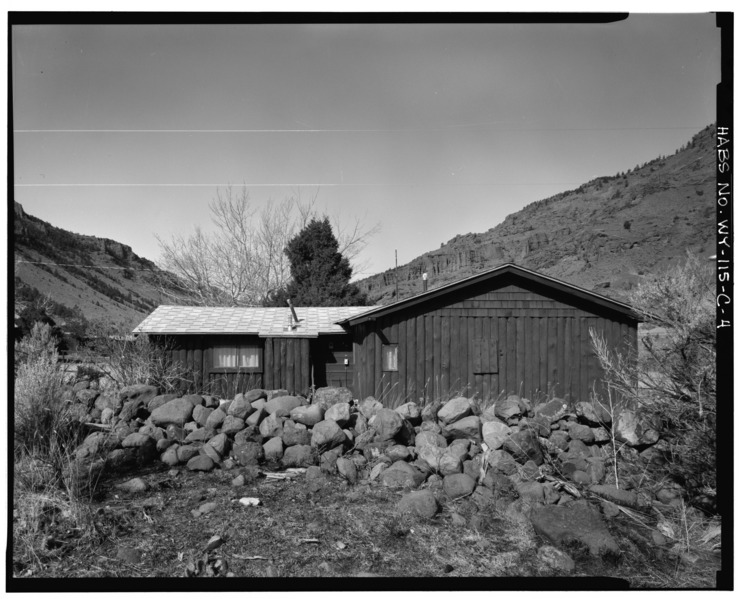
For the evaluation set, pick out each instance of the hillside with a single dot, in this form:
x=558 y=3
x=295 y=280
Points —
x=103 y=278
x=604 y=235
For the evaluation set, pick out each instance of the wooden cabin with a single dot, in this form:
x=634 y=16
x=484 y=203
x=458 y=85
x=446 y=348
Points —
x=232 y=350
x=503 y=331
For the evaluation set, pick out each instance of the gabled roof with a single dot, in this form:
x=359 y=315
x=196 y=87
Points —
x=265 y=322
x=506 y=270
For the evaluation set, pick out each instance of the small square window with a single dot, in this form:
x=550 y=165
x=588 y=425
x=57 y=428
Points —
x=390 y=358
x=224 y=357
x=248 y=357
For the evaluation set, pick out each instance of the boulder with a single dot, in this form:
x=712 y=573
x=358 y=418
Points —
x=169 y=456
x=429 y=438
x=398 y=452
x=108 y=400
x=240 y=407
x=369 y=407
x=559 y=441
x=410 y=411
x=553 y=410
x=107 y=416
x=328 y=459
x=248 y=453
x=121 y=459
x=510 y=407
x=326 y=397
x=197 y=400
x=420 y=503
x=465 y=428
x=431 y=455
x=177 y=411
x=387 y=423
x=220 y=443
x=339 y=412
x=271 y=426
x=142 y=393
x=347 y=469
x=255 y=419
x=458 y=485
x=295 y=434
x=455 y=409
x=460 y=449
x=137 y=440
x=524 y=445
x=556 y=559
x=283 y=402
x=130 y=410
x=429 y=412
x=298 y=456
x=201 y=435
x=308 y=415
x=201 y=463
x=134 y=485
x=581 y=432
x=186 y=452
x=248 y=435
x=495 y=433
x=630 y=429
x=273 y=450
x=200 y=414
x=231 y=425
x=402 y=474
x=254 y=394
x=574 y=521
x=618 y=496
x=593 y=413
x=502 y=462
x=449 y=464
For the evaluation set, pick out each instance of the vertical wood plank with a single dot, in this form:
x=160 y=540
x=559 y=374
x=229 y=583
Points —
x=377 y=356
x=420 y=345
x=584 y=359
x=502 y=344
x=543 y=356
x=437 y=370
x=305 y=360
x=269 y=361
x=429 y=348
x=495 y=346
x=445 y=356
x=463 y=362
x=511 y=382
x=470 y=343
x=552 y=379
x=520 y=352
x=400 y=389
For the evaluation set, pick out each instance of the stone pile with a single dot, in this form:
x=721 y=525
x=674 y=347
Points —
x=457 y=448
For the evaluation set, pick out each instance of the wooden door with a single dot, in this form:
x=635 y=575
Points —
x=333 y=362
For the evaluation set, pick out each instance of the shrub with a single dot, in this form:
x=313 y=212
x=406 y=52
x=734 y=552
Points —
x=674 y=381
x=126 y=360
x=43 y=419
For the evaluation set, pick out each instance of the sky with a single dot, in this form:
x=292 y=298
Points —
x=426 y=130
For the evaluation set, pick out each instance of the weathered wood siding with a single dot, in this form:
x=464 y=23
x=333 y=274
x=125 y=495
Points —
x=489 y=343
x=286 y=363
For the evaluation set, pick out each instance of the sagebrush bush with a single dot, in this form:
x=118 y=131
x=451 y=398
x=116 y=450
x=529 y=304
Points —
x=125 y=360
x=43 y=420
x=673 y=381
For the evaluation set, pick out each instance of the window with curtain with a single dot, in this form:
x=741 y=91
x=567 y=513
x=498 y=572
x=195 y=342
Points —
x=244 y=357
x=390 y=358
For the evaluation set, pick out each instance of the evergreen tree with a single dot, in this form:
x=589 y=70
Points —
x=320 y=274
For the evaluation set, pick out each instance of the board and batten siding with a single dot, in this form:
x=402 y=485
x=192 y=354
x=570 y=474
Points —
x=495 y=343
x=285 y=363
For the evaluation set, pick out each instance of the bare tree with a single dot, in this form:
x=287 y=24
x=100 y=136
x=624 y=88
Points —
x=244 y=259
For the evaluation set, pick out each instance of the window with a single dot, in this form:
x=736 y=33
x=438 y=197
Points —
x=390 y=358
x=243 y=357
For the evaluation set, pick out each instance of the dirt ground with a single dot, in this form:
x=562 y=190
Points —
x=190 y=531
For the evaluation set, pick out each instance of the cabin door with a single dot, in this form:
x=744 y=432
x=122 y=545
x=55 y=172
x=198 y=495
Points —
x=333 y=365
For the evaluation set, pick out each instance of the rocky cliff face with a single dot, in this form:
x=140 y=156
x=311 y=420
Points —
x=102 y=277
x=605 y=235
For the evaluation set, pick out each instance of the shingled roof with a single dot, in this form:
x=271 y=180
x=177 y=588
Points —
x=265 y=322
